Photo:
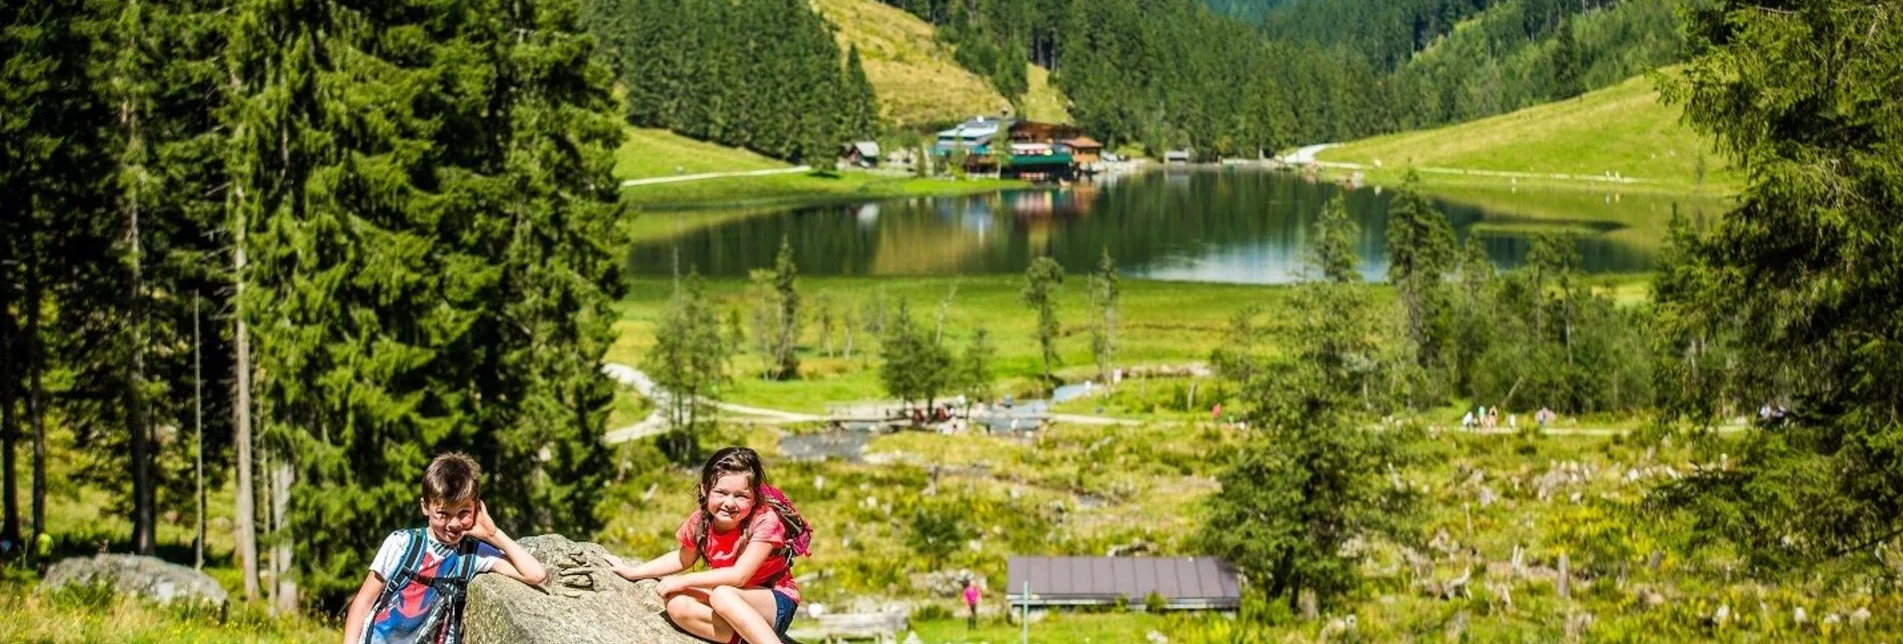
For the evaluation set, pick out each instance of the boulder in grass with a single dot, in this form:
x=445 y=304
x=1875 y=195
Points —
x=582 y=602
x=148 y=578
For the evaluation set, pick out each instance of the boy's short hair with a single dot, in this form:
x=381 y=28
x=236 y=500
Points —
x=452 y=478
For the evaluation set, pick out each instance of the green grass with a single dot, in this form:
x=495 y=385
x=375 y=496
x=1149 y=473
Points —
x=1055 y=628
x=1635 y=218
x=1163 y=323
x=647 y=153
x=1023 y=497
x=629 y=407
x=650 y=153
x=1622 y=129
x=1043 y=102
x=914 y=74
x=1004 y=491
x=87 y=617
x=782 y=189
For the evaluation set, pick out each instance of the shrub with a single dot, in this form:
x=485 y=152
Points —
x=931 y=612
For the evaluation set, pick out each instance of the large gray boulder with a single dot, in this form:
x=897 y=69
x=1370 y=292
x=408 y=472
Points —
x=583 y=602
x=146 y=577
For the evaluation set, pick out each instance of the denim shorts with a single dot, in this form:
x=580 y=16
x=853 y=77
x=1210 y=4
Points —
x=783 y=609
x=783 y=615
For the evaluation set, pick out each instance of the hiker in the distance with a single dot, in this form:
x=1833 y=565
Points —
x=418 y=583
x=971 y=605
x=749 y=533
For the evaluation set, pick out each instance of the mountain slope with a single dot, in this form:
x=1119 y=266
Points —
x=1043 y=102
x=915 y=76
x=1622 y=129
x=649 y=152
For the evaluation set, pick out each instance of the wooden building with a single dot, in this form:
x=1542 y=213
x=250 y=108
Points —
x=1183 y=583
x=1087 y=152
x=1034 y=132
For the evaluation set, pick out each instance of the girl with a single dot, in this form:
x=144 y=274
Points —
x=749 y=534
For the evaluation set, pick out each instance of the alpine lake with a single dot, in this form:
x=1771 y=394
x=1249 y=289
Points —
x=1239 y=225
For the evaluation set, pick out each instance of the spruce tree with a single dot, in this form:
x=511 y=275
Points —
x=975 y=367
x=1568 y=80
x=901 y=346
x=1309 y=481
x=431 y=265
x=1800 y=276
x=689 y=361
x=1420 y=255
x=1336 y=235
x=859 y=104
x=56 y=169
x=547 y=320
x=1041 y=281
x=162 y=79
x=786 y=328
x=827 y=320
x=1106 y=297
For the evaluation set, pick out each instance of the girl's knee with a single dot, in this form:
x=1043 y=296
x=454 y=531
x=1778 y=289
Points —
x=680 y=606
x=727 y=598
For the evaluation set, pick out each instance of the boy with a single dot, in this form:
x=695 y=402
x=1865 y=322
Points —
x=415 y=590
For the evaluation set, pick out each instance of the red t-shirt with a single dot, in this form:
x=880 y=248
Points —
x=723 y=548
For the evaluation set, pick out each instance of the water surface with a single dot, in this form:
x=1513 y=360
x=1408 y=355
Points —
x=1205 y=225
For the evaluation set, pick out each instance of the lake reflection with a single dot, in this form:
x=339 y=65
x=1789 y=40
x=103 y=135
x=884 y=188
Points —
x=1213 y=225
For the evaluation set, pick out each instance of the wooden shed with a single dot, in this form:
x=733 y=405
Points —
x=1183 y=583
x=1086 y=150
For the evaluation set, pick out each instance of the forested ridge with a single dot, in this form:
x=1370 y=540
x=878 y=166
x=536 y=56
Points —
x=1176 y=73
x=768 y=76
x=763 y=75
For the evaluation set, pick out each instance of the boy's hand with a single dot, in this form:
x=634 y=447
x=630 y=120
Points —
x=485 y=528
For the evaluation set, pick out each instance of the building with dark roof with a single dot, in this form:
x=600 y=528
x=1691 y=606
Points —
x=1183 y=583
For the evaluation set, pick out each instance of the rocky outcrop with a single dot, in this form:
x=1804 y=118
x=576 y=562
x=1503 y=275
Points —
x=145 y=577
x=583 y=602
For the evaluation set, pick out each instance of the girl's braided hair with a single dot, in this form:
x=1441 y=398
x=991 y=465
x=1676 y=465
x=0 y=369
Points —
x=741 y=460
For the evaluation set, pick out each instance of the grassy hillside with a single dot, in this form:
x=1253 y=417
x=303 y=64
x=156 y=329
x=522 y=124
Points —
x=1486 y=502
x=917 y=81
x=1621 y=129
x=1044 y=102
x=649 y=153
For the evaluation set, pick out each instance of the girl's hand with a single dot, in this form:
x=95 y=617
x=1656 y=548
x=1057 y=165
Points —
x=669 y=586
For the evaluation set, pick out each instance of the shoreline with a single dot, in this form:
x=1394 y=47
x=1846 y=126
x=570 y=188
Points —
x=800 y=189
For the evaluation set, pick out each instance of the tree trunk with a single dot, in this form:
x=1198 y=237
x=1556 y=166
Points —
x=143 y=523
x=35 y=412
x=285 y=589
x=246 y=521
x=198 y=430
x=9 y=432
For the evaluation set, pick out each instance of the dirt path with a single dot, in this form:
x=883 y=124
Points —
x=656 y=422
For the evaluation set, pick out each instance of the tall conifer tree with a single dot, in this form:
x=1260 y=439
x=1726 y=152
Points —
x=430 y=204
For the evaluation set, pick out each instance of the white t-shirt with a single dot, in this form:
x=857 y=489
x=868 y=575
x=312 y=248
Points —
x=391 y=554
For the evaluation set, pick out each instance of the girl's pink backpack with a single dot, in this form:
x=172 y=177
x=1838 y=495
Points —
x=799 y=534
